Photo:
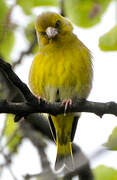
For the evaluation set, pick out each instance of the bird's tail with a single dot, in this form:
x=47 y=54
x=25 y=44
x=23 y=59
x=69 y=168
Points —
x=64 y=156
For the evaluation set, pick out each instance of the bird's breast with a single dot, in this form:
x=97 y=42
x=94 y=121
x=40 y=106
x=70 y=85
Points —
x=60 y=74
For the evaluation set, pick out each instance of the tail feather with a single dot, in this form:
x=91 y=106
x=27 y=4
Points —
x=59 y=162
x=64 y=156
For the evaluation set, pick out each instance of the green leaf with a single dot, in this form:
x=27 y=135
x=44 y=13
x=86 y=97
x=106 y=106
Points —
x=7 y=44
x=12 y=134
x=14 y=143
x=46 y=2
x=3 y=13
x=7 y=37
x=104 y=173
x=85 y=13
x=108 y=42
x=112 y=140
x=10 y=126
x=27 y=5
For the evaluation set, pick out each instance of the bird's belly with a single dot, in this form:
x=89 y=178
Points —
x=58 y=78
x=58 y=84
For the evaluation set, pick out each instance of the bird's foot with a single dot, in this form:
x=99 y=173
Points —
x=67 y=102
x=38 y=97
x=41 y=99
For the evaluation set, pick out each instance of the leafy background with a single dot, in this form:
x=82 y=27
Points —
x=18 y=46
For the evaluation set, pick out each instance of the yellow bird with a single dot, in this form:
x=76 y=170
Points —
x=61 y=71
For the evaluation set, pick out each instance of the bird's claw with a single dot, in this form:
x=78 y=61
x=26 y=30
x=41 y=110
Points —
x=67 y=102
x=41 y=100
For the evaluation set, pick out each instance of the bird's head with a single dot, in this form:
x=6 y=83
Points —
x=51 y=27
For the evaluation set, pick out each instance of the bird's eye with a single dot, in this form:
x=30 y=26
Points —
x=57 y=24
x=43 y=33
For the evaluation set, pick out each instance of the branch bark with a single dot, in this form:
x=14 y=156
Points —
x=62 y=8
x=25 y=108
x=34 y=105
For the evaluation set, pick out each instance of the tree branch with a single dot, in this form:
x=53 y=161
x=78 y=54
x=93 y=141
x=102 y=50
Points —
x=62 y=8
x=7 y=69
x=33 y=105
x=24 y=108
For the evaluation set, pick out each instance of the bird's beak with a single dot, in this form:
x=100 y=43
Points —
x=51 y=32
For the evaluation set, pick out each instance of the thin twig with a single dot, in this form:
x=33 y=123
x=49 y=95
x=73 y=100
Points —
x=30 y=176
x=7 y=163
x=62 y=8
x=38 y=141
x=12 y=173
x=95 y=10
x=7 y=69
x=27 y=52
x=46 y=175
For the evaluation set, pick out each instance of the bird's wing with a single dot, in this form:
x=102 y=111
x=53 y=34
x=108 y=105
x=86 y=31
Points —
x=74 y=126
x=52 y=128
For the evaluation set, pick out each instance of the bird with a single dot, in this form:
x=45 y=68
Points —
x=61 y=71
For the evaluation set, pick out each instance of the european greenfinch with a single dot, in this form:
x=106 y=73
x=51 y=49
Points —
x=61 y=72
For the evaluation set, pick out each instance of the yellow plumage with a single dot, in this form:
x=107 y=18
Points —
x=61 y=70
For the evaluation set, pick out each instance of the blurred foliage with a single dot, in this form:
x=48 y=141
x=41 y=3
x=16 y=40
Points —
x=27 y=5
x=7 y=38
x=108 y=42
x=29 y=30
x=8 y=41
x=85 y=13
x=30 y=34
x=112 y=140
x=3 y=13
x=12 y=134
x=105 y=173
